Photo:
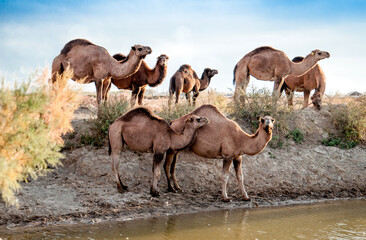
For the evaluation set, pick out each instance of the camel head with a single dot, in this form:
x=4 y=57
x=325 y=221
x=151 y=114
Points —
x=319 y=54
x=163 y=60
x=266 y=123
x=317 y=100
x=196 y=121
x=141 y=51
x=210 y=72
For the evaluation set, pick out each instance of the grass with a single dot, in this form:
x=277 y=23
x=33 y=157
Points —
x=296 y=135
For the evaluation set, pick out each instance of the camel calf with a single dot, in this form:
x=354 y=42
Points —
x=142 y=131
x=221 y=138
x=313 y=79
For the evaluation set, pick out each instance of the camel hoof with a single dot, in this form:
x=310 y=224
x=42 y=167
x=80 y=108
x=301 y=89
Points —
x=120 y=189
x=171 y=189
x=246 y=199
x=154 y=193
x=226 y=200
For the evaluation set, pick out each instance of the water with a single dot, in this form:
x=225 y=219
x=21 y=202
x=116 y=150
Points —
x=337 y=220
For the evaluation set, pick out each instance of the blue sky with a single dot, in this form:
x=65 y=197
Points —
x=213 y=34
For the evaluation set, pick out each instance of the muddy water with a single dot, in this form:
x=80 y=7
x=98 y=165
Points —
x=336 y=220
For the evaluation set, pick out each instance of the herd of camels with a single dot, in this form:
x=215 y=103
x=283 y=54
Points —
x=204 y=131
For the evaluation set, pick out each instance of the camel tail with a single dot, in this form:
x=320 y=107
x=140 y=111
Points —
x=109 y=146
x=234 y=73
x=172 y=86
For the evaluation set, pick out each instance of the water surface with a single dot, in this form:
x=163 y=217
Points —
x=336 y=220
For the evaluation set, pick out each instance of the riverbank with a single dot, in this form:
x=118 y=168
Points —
x=83 y=189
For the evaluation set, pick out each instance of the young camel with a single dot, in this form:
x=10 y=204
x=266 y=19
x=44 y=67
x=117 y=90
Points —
x=142 y=131
x=92 y=63
x=269 y=64
x=313 y=79
x=144 y=76
x=221 y=138
x=186 y=80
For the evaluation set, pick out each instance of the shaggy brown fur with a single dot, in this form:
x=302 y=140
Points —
x=142 y=131
x=313 y=79
x=92 y=63
x=221 y=138
x=186 y=80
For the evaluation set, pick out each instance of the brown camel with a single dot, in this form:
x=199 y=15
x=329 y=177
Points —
x=221 y=138
x=142 y=131
x=92 y=63
x=144 y=76
x=313 y=79
x=186 y=80
x=269 y=64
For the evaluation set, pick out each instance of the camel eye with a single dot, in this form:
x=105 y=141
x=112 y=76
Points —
x=140 y=49
x=319 y=53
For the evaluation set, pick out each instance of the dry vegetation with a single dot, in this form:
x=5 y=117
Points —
x=32 y=121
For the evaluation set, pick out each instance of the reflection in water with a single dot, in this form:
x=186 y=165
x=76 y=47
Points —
x=338 y=220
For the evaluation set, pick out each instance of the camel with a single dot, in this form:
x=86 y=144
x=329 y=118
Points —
x=186 y=80
x=313 y=79
x=144 y=76
x=269 y=64
x=221 y=138
x=142 y=131
x=92 y=63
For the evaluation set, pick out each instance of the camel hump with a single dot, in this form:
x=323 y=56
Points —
x=298 y=59
x=184 y=67
x=195 y=74
x=207 y=107
x=119 y=56
x=140 y=111
x=260 y=50
x=76 y=42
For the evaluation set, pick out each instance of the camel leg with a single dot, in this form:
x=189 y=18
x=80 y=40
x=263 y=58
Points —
x=239 y=178
x=141 y=95
x=115 y=149
x=106 y=87
x=277 y=88
x=306 y=98
x=196 y=92
x=135 y=92
x=170 y=155
x=157 y=161
x=172 y=173
x=225 y=176
x=177 y=94
x=290 y=96
x=188 y=97
x=99 y=87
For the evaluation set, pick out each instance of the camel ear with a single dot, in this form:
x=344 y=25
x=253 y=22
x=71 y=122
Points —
x=261 y=120
x=273 y=120
x=313 y=52
x=133 y=48
x=190 y=119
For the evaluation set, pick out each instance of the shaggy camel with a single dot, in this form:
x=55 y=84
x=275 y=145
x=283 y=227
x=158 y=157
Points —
x=186 y=80
x=141 y=131
x=269 y=64
x=313 y=79
x=92 y=63
x=143 y=77
x=221 y=138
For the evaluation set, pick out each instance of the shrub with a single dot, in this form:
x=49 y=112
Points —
x=350 y=120
x=296 y=135
x=32 y=121
x=107 y=114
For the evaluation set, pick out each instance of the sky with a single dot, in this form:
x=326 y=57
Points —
x=214 y=34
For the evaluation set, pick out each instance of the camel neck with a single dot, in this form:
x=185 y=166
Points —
x=299 y=69
x=158 y=75
x=205 y=81
x=255 y=143
x=183 y=140
x=125 y=68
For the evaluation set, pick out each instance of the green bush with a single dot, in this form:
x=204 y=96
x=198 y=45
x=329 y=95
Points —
x=107 y=114
x=296 y=135
x=32 y=121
